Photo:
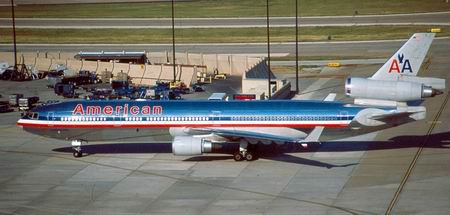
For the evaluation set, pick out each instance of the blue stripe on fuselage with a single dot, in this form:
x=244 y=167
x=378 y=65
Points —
x=219 y=110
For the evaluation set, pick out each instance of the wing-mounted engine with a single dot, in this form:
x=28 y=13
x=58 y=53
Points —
x=387 y=90
x=197 y=145
x=188 y=141
x=190 y=145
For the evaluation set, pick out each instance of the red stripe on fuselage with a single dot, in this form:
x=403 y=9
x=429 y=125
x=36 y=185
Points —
x=57 y=126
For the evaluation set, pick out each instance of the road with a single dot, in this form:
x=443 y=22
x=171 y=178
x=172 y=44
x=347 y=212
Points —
x=357 y=48
x=325 y=62
x=434 y=19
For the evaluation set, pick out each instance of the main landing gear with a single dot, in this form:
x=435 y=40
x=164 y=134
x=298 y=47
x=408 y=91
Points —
x=76 y=146
x=246 y=152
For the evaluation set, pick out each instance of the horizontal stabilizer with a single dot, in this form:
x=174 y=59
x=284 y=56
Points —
x=390 y=116
x=417 y=112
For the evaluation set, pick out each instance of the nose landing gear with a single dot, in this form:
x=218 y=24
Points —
x=77 y=154
x=76 y=146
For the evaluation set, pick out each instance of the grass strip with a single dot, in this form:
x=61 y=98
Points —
x=136 y=36
x=228 y=8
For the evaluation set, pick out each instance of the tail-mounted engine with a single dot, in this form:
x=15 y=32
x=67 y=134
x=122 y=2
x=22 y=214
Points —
x=400 y=91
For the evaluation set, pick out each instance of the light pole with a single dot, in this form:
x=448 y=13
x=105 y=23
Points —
x=173 y=42
x=296 y=47
x=14 y=34
x=268 y=48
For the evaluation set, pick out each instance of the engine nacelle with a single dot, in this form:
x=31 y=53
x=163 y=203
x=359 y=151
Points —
x=188 y=145
x=401 y=91
x=193 y=145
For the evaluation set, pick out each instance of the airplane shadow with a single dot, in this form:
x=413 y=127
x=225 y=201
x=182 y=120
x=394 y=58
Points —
x=280 y=152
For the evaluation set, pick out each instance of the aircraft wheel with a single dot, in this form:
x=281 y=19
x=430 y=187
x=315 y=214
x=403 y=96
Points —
x=78 y=154
x=238 y=156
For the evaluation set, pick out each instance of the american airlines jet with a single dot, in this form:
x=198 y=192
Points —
x=205 y=126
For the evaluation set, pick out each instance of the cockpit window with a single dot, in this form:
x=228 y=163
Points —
x=35 y=116
x=32 y=115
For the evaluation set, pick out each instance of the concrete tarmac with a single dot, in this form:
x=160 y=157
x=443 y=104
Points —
x=356 y=176
x=325 y=62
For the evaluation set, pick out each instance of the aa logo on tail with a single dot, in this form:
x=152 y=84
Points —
x=404 y=63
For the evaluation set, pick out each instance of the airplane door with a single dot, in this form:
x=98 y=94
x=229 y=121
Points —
x=215 y=117
x=343 y=115
x=117 y=120
x=50 y=116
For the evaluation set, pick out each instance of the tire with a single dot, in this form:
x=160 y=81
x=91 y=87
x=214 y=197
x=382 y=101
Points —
x=249 y=156
x=238 y=156
x=77 y=154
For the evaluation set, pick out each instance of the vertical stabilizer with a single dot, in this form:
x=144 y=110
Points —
x=407 y=60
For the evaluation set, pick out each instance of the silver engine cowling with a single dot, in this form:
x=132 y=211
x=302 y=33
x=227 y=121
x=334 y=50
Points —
x=191 y=145
x=400 y=91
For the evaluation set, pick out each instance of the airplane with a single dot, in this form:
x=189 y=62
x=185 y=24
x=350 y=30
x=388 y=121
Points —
x=203 y=126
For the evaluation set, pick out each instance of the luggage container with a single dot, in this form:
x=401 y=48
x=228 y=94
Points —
x=14 y=99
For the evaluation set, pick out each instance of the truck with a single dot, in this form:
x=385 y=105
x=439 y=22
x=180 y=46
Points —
x=53 y=77
x=65 y=90
x=64 y=76
x=27 y=103
x=56 y=75
x=179 y=88
x=83 y=77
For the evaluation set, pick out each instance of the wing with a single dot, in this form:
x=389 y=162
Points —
x=274 y=134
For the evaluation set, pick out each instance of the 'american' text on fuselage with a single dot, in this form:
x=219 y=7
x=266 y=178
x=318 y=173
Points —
x=116 y=110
